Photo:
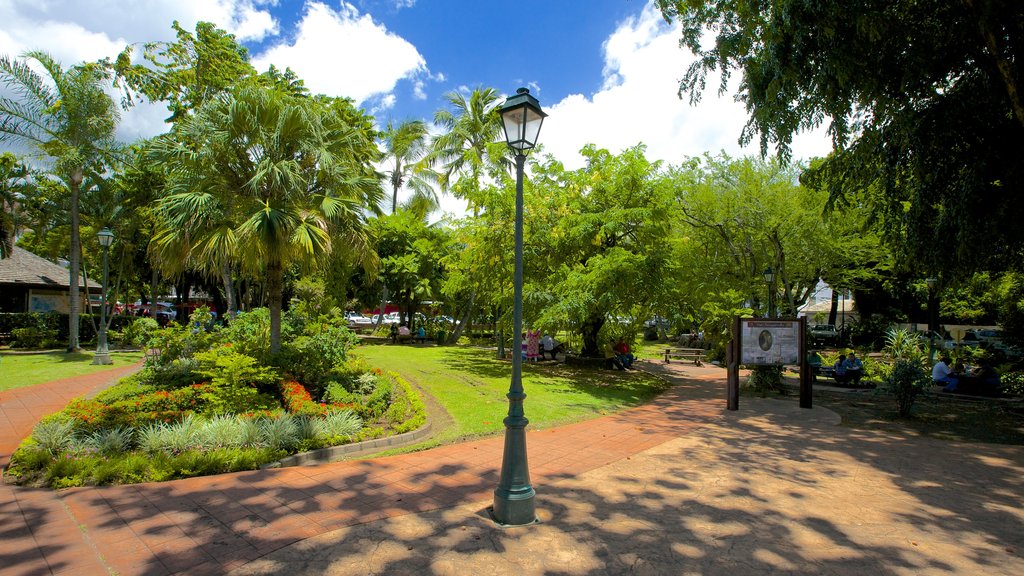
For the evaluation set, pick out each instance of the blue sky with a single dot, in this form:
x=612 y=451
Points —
x=606 y=71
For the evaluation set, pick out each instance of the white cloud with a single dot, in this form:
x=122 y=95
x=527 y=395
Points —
x=343 y=53
x=638 y=102
x=73 y=31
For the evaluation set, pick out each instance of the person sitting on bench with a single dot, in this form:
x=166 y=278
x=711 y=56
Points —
x=839 y=370
x=854 y=368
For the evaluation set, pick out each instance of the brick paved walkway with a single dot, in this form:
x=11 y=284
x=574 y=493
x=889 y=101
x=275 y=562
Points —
x=668 y=488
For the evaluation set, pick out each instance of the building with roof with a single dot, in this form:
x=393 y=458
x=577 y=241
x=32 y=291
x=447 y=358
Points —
x=30 y=283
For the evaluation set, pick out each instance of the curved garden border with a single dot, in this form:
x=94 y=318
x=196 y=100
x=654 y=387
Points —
x=334 y=453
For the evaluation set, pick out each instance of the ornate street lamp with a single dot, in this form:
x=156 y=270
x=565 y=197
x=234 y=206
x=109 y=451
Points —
x=102 y=356
x=769 y=279
x=514 y=496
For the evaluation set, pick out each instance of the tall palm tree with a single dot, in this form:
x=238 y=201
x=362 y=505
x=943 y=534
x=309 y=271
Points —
x=66 y=117
x=405 y=148
x=266 y=179
x=13 y=175
x=469 y=149
x=470 y=146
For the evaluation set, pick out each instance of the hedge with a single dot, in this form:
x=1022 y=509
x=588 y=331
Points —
x=56 y=323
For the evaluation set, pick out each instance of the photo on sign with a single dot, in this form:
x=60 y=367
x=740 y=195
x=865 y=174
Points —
x=769 y=342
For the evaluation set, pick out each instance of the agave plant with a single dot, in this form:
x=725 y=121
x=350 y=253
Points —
x=338 y=423
x=281 y=432
x=112 y=441
x=54 y=436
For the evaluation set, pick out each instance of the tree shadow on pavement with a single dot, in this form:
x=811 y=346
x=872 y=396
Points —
x=765 y=490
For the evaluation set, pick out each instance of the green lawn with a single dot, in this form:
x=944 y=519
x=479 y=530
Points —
x=17 y=370
x=470 y=384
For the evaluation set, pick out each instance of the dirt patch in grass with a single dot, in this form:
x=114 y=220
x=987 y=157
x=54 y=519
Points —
x=937 y=415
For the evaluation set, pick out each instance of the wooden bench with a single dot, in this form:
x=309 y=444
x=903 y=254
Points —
x=695 y=355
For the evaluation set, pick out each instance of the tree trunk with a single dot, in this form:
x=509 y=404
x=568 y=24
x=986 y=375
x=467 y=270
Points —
x=589 y=331
x=834 y=310
x=74 y=263
x=275 y=290
x=154 y=293
x=380 y=309
x=466 y=319
x=229 y=291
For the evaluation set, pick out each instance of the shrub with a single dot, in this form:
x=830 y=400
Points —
x=249 y=334
x=1013 y=383
x=312 y=358
x=407 y=411
x=281 y=433
x=174 y=373
x=337 y=424
x=112 y=441
x=139 y=332
x=369 y=394
x=906 y=381
x=766 y=378
x=177 y=341
x=54 y=435
x=33 y=338
x=237 y=383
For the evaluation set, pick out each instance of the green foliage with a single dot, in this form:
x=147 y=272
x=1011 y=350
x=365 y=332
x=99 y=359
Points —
x=909 y=102
x=1013 y=383
x=249 y=334
x=54 y=435
x=184 y=73
x=337 y=424
x=406 y=412
x=717 y=314
x=181 y=341
x=111 y=441
x=906 y=381
x=370 y=394
x=33 y=338
x=37 y=467
x=870 y=331
x=280 y=433
x=140 y=332
x=907 y=345
x=764 y=379
x=237 y=383
x=312 y=358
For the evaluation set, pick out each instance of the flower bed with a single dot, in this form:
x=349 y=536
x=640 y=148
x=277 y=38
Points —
x=217 y=403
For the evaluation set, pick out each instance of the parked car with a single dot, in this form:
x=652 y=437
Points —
x=355 y=319
x=823 y=335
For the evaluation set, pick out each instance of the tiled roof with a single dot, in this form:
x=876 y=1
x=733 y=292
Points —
x=26 y=269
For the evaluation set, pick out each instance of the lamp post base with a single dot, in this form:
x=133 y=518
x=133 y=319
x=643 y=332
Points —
x=514 y=509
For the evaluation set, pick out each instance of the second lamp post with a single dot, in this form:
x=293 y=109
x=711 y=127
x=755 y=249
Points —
x=514 y=496
x=102 y=356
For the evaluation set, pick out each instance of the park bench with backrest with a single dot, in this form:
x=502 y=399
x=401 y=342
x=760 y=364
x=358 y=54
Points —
x=695 y=355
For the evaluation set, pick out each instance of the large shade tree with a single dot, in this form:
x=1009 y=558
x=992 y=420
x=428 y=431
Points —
x=923 y=99
x=270 y=180
x=65 y=117
x=599 y=245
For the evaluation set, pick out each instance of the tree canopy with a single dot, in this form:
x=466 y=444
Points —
x=922 y=98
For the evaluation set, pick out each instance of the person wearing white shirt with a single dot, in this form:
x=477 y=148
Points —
x=942 y=373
